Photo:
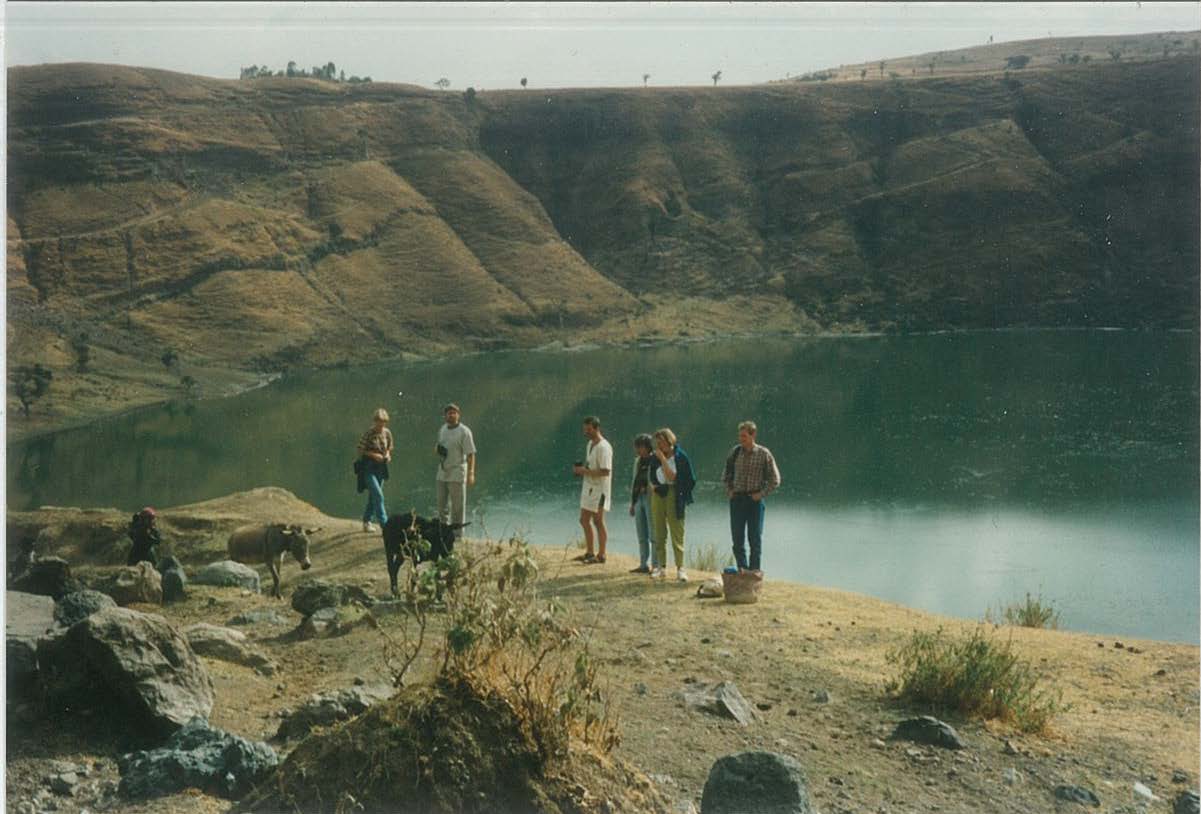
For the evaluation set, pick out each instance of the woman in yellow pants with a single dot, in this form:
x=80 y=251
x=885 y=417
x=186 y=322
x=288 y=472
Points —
x=671 y=481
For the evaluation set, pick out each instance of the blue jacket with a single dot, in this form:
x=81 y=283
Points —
x=685 y=479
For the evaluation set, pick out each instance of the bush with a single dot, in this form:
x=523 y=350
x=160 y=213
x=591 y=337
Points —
x=974 y=676
x=707 y=558
x=1034 y=612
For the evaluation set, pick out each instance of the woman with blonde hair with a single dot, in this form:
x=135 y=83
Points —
x=671 y=481
x=374 y=451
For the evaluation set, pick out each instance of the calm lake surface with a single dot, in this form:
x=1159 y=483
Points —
x=947 y=472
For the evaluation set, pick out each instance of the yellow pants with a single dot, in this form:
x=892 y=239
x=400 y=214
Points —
x=664 y=517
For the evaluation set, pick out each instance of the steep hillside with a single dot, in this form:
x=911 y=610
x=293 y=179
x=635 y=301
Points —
x=250 y=227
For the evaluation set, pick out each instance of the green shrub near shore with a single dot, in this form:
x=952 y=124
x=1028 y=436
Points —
x=1033 y=612
x=974 y=676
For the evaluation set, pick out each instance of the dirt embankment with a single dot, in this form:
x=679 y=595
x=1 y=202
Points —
x=812 y=661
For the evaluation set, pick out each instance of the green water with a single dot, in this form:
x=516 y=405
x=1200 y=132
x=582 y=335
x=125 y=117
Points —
x=949 y=472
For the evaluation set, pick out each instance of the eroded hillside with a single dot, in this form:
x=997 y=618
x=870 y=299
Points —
x=249 y=227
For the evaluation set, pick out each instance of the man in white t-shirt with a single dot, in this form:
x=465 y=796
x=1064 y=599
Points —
x=456 y=470
x=596 y=491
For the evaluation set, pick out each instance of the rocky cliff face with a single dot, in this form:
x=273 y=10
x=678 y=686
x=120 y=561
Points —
x=252 y=226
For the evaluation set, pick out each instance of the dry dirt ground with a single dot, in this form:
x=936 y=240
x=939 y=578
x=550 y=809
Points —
x=1133 y=713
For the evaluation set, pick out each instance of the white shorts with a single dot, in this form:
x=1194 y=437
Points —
x=592 y=498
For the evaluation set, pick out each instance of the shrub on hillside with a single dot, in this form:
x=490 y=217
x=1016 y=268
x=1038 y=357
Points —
x=974 y=676
x=1033 y=612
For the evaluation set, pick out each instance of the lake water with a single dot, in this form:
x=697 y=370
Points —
x=947 y=472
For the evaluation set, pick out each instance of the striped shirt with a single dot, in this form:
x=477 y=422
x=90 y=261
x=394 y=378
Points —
x=753 y=471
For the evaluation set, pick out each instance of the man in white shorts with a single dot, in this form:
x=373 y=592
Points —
x=456 y=470
x=596 y=492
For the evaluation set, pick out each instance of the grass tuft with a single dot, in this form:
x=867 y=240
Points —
x=973 y=676
x=1033 y=612
x=707 y=558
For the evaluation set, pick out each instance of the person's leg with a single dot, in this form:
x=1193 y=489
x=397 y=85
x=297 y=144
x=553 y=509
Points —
x=738 y=529
x=381 y=510
x=458 y=505
x=755 y=531
x=602 y=533
x=443 y=499
x=659 y=529
x=642 y=526
x=586 y=524
x=676 y=524
x=375 y=499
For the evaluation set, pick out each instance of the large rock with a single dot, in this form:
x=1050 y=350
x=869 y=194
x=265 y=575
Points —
x=930 y=730
x=227 y=645
x=1187 y=802
x=756 y=783
x=312 y=595
x=335 y=621
x=120 y=659
x=228 y=574
x=27 y=618
x=197 y=756
x=260 y=616
x=136 y=583
x=77 y=606
x=175 y=579
x=722 y=699
x=326 y=708
x=47 y=576
x=1077 y=794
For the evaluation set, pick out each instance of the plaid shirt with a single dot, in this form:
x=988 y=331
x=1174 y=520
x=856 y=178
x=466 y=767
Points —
x=753 y=471
x=373 y=441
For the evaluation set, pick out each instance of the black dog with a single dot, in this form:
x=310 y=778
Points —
x=403 y=532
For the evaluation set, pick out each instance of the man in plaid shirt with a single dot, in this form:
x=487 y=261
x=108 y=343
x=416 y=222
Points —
x=750 y=475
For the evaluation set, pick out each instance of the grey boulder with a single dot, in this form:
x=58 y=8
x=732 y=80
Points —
x=312 y=595
x=335 y=621
x=1077 y=794
x=260 y=616
x=756 y=783
x=197 y=756
x=77 y=606
x=229 y=645
x=1187 y=802
x=929 y=730
x=228 y=574
x=136 y=583
x=132 y=663
x=175 y=579
x=27 y=618
x=328 y=708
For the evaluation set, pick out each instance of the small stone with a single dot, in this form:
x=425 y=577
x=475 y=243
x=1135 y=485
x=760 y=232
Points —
x=821 y=696
x=1118 y=646
x=705 y=640
x=1143 y=793
x=640 y=688
x=1010 y=777
x=1161 y=672
x=1100 y=644
x=1010 y=749
x=879 y=744
x=792 y=713
x=764 y=706
x=359 y=681
x=1179 y=776
x=64 y=783
x=930 y=730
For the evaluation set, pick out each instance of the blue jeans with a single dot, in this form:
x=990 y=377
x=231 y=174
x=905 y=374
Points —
x=375 y=500
x=642 y=522
x=746 y=521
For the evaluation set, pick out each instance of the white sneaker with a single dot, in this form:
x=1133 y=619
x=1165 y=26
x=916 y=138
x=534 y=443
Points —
x=657 y=573
x=681 y=576
x=368 y=527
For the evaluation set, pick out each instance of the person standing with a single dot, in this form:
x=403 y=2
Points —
x=374 y=452
x=672 y=482
x=750 y=476
x=596 y=491
x=143 y=533
x=640 y=502
x=456 y=470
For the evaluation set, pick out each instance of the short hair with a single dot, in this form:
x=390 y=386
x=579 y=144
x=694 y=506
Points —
x=380 y=415
x=592 y=421
x=451 y=406
x=667 y=435
x=643 y=441
x=749 y=426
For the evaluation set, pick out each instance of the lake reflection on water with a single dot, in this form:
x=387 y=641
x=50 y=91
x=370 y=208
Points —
x=947 y=472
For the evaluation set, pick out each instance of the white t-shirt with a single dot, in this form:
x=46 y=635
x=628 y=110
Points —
x=599 y=456
x=459 y=444
x=657 y=475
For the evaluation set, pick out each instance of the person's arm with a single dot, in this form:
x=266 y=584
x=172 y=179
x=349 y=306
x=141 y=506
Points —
x=771 y=475
x=668 y=466
x=471 y=469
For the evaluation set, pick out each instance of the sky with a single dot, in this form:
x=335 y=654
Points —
x=493 y=45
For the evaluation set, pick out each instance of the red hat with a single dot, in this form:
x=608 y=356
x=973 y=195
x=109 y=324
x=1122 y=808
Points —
x=147 y=512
